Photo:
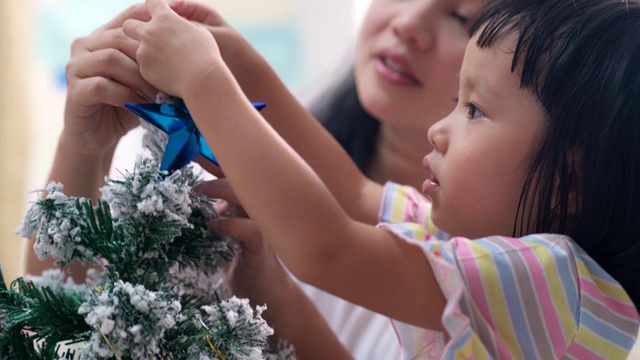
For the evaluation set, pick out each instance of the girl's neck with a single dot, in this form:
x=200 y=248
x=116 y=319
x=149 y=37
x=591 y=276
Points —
x=398 y=156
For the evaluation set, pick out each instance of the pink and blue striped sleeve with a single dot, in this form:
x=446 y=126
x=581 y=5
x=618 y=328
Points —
x=538 y=297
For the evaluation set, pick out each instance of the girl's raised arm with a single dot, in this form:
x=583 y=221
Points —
x=316 y=238
x=355 y=193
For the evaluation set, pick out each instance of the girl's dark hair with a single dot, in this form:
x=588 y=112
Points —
x=581 y=59
x=344 y=117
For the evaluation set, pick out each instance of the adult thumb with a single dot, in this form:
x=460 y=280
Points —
x=242 y=229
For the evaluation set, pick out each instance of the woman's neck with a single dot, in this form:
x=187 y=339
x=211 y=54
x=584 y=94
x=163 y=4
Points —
x=398 y=156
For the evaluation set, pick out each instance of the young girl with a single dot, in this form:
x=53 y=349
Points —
x=543 y=140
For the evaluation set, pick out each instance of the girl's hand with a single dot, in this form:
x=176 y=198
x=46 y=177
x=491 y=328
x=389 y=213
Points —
x=173 y=53
x=102 y=75
x=236 y=51
x=256 y=273
x=249 y=68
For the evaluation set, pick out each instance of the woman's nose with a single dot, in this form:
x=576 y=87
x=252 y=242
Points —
x=416 y=25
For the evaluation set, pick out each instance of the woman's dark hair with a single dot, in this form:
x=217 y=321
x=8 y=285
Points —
x=344 y=117
x=581 y=60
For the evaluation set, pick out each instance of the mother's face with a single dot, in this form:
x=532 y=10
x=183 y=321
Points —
x=408 y=56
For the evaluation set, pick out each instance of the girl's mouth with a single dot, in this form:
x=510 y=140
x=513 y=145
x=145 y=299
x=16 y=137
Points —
x=430 y=185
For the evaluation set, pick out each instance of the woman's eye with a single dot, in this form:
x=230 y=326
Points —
x=462 y=19
x=473 y=112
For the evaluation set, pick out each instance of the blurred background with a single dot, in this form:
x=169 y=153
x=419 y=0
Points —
x=305 y=41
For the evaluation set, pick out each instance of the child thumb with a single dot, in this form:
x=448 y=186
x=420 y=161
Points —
x=195 y=11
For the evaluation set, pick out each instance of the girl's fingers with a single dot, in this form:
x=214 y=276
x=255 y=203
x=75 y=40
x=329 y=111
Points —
x=138 y=12
x=197 y=12
x=133 y=28
x=113 y=65
x=157 y=7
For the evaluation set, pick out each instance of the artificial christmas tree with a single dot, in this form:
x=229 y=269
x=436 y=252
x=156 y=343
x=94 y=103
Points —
x=162 y=293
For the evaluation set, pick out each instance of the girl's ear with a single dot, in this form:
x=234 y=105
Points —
x=572 y=184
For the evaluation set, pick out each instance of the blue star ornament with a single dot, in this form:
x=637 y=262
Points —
x=185 y=140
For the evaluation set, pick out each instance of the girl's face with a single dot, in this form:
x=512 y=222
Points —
x=483 y=148
x=409 y=53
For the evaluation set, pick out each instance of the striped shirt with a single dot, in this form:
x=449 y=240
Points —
x=536 y=297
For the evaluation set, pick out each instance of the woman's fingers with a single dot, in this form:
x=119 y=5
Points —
x=107 y=39
x=221 y=189
x=113 y=66
x=242 y=229
x=209 y=167
x=101 y=90
x=103 y=64
x=218 y=189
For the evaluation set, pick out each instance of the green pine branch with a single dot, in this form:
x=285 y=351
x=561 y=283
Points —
x=29 y=314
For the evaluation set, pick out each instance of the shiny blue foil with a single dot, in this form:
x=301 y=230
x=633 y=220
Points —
x=185 y=140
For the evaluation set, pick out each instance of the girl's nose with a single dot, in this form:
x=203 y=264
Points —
x=438 y=136
x=416 y=25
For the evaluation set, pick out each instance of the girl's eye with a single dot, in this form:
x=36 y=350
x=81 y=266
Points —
x=473 y=112
x=462 y=19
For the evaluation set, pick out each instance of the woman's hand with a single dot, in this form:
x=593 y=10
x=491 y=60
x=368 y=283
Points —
x=102 y=75
x=256 y=273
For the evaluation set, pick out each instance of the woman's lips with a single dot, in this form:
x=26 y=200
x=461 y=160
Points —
x=395 y=71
